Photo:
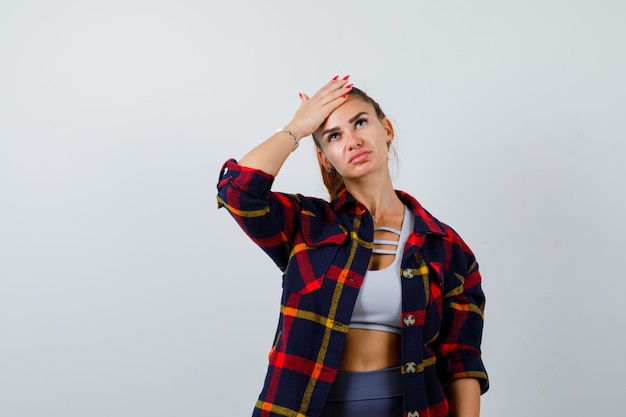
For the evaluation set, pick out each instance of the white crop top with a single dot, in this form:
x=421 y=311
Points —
x=379 y=303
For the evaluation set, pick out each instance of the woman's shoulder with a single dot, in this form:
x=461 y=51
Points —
x=424 y=221
x=427 y=223
x=317 y=207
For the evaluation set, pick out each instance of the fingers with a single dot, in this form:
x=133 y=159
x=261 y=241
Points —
x=330 y=95
x=335 y=92
x=334 y=89
x=337 y=80
x=315 y=109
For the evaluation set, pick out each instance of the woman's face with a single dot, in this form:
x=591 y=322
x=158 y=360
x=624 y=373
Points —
x=354 y=141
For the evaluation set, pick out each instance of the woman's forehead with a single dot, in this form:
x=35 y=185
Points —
x=351 y=107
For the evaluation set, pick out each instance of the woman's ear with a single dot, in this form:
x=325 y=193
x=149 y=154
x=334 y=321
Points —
x=322 y=158
x=388 y=129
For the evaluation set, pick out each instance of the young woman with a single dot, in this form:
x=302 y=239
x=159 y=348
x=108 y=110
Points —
x=382 y=307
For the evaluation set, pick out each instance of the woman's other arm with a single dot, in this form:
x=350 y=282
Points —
x=464 y=397
x=461 y=369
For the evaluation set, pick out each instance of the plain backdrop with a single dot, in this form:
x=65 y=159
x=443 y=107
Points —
x=125 y=292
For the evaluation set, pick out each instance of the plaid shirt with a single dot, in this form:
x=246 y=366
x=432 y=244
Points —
x=324 y=250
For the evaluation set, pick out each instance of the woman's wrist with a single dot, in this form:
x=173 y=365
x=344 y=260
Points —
x=292 y=134
x=296 y=130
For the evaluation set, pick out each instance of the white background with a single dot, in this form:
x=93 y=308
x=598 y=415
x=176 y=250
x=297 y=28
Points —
x=125 y=292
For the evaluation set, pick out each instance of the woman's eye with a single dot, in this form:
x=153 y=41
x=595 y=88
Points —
x=333 y=136
x=360 y=122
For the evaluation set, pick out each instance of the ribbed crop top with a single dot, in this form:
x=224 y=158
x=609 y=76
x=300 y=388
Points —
x=379 y=303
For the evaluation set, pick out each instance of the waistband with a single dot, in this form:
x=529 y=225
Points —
x=354 y=386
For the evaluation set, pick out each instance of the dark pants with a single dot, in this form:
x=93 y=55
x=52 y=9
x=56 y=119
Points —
x=370 y=394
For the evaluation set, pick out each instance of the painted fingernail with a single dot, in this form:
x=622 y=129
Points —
x=300 y=94
x=345 y=96
x=335 y=78
x=349 y=85
x=346 y=78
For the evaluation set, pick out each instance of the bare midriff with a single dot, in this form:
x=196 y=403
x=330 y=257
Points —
x=370 y=350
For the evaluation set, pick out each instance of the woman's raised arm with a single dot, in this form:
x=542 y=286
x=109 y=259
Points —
x=270 y=155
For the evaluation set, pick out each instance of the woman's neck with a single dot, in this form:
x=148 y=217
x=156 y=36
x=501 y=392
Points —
x=378 y=196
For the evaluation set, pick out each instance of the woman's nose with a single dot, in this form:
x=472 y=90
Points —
x=353 y=140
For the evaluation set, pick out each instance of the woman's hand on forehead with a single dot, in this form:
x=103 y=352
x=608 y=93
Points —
x=315 y=109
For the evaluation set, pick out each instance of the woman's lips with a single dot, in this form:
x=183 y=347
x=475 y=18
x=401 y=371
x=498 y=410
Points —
x=359 y=157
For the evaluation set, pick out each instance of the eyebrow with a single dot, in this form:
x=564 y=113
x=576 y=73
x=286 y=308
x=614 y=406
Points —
x=352 y=120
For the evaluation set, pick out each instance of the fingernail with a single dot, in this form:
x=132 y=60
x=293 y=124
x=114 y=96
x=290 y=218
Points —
x=349 y=85
x=300 y=94
x=346 y=77
x=335 y=78
x=345 y=96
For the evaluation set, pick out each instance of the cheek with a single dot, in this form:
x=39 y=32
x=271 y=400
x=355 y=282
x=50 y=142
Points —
x=333 y=153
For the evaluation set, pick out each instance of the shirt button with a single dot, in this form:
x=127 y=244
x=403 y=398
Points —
x=409 y=320
x=410 y=367
x=413 y=414
x=408 y=273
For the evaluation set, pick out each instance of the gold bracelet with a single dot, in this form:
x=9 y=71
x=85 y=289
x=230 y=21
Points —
x=289 y=132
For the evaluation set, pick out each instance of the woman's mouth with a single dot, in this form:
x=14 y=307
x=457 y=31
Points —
x=358 y=157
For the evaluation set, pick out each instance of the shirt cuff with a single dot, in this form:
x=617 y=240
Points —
x=251 y=181
x=466 y=365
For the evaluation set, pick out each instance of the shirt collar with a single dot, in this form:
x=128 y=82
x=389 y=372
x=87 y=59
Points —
x=424 y=221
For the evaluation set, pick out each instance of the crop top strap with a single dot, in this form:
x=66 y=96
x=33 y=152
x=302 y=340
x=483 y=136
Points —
x=395 y=243
x=388 y=229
